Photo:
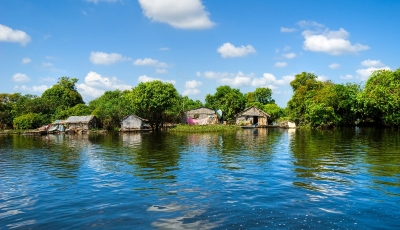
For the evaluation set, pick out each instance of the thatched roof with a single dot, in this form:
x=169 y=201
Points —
x=79 y=119
x=252 y=111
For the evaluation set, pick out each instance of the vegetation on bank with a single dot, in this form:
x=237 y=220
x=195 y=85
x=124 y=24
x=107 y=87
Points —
x=203 y=128
x=314 y=104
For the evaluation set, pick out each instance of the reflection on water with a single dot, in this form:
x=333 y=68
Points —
x=344 y=178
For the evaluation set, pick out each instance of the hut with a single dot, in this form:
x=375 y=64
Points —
x=251 y=116
x=82 y=122
x=133 y=123
x=201 y=114
x=287 y=125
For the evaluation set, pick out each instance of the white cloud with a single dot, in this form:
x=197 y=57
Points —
x=280 y=64
x=334 y=66
x=33 y=89
x=180 y=14
x=97 y=1
x=347 y=77
x=307 y=24
x=47 y=64
x=161 y=71
x=191 y=87
x=330 y=42
x=100 y=58
x=20 y=77
x=322 y=78
x=26 y=60
x=95 y=85
x=289 y=55
x=372 y=63
x=145 y=78
x=231 y=79
x=287 y=30
x=164 y=48
x=365 y=73
x=286 y=48
x=9 y=35
x=150 y=62
x=269 y=79
x=227 y=50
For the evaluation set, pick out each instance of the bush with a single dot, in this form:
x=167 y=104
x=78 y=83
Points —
x=28 y=121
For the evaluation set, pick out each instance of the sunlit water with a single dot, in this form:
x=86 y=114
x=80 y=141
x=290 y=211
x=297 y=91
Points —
x=270 y=178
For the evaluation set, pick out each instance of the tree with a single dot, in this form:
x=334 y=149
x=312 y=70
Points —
x=63 y=93
x=274 y=111
x=230 y=101
x=111 y=107
x=152 y=99
x=28 y=121
x=380 y=99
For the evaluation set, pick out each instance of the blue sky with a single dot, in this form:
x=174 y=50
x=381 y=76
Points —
x=197 y=45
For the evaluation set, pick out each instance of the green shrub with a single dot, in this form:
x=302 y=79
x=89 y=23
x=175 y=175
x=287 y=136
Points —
x=28 y=121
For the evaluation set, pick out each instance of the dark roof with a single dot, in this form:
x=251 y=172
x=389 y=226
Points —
x=79 y=119
x=240 y=113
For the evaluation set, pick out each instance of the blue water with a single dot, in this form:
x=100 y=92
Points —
x=270 y=178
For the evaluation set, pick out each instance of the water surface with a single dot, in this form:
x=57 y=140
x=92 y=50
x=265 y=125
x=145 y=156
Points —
x=289 y=179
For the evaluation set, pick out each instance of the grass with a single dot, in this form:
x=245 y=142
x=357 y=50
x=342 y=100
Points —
x=204 y=128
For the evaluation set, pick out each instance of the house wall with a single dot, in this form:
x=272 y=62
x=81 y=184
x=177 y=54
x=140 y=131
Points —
x=250 y=119
x=202 y=112
x=131 y=122
x=83 y=126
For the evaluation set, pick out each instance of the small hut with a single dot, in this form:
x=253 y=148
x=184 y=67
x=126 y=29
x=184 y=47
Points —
x=200 y=114
x=82 y=122
x=251 y=116
x=287 y=125
x=133 y=123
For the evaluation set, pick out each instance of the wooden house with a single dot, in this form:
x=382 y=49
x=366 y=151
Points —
x=133 y=123
x=82 y=122
x=199 y=113
x=251 y=116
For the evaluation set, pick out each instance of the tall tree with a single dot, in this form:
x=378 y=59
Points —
x=63 y=93
x=152 y=99
x=230 y=101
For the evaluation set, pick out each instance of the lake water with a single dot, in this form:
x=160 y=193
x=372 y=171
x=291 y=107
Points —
x=270 y=178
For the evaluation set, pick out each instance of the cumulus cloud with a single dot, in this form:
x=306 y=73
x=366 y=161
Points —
x=372 y=63
x=100 y=58
x=287 y=30
x=161 y=71
x=231 y=79
x=331 y=42
x=289 y=55
x=145 y=78
x=26 y=60
x=150 y=62
x=322 y=78
x=32 y=89
x=191 y=87
x=227 y=50
x=268 y=80
x=280 y=64
x=347 y=77
x=95 y=85
x=180 y=14
x=20 y=77
x=334 y=66
x=9 y=35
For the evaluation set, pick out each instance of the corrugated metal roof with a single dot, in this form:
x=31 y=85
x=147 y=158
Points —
x=79 y=119
x=135 y=116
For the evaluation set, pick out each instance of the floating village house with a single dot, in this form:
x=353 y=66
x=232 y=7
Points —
x=82 y=122
x=133 y=123
x=251 y=116
x=199 y=116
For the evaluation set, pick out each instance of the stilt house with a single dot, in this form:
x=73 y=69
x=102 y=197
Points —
x=133 y=123
x=251 y=116
x=82 y=122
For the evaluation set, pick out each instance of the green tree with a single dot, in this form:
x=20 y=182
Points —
x=152 y=99
x=28 y=121
x=380 y=99
x=274 y=111
x=63 y=93
x=111 y=107
x=230 y=101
